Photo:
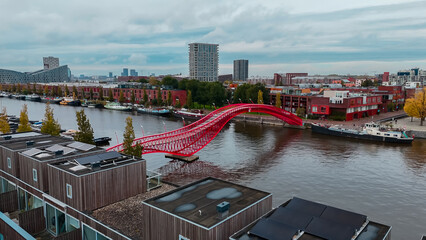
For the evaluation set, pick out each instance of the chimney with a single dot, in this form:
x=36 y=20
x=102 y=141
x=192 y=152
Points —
x=222 y=210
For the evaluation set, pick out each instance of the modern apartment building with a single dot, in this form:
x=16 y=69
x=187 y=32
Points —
x=204 y=61
x=240 y=69
x=50 y=62
x=125 y=72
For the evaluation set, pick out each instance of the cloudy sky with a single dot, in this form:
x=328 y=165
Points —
x=319 y=37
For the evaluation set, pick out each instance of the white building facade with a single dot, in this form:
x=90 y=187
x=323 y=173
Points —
x=204 y=61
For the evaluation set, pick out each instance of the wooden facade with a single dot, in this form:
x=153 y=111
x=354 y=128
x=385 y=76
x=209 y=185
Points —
x=160 y=225
x=6 y=153
x=99 y=188
x=9 y=201
x=11 y=230
x=32 y=220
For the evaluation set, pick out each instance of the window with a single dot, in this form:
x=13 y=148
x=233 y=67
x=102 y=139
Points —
x=314 y=109
x=182 y=237
x=34 y=175
x=69 y=191
x=90 y=234
x=9 y=162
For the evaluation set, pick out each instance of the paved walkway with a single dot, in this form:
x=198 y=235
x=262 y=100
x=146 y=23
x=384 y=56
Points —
x=409 y=125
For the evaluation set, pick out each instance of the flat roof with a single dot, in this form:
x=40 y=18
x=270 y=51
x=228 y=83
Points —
x=39 y=141
x=197 y=201
x=307 y=220
x=78 y=168
x=19 y=135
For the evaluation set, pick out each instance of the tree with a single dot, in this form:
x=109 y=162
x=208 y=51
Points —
x=4 y=124
x=24 y=123
x=110 y=95
x=189 y=99
x=74 y=91
x=169 y=81
x=145 y=96
x=34 y=88
x=85 y=130
x=50 y=125
x=121 y=98
x=367 y=83
x=46 y=90
x=153 y=81
x=159 y=97
x=101 y=93
x=128 y=137
x=260 y=97
x=416 y=107
x=59 y=91
x=91 y=94
x=83 y=93
x=300 y=112
x=169 y=98
x=67 y=91
x=278 y=100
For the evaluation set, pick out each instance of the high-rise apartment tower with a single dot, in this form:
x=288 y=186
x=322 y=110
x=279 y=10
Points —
x=240 y=69
x=204 y=61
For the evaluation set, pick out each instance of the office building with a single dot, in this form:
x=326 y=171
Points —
x=133 y=73
x=204 y=61
x=50 y=62
x=125 y=72
x=59 y=74
x=240 y=70
x=110 y=74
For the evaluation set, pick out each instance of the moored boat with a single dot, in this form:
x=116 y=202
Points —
x=189 y=115
x=70 y=101
x=371 y=131
x=33 y=97
x=154 y=111
x=102 y=141
x=117 y=106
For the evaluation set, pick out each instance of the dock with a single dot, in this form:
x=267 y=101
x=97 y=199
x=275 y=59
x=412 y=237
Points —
x=183 y=158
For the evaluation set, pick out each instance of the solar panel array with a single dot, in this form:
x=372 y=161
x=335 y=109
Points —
x=98 y=158
x=81 y=146
x=313 y=218
x=58 y=147
x=33 y=151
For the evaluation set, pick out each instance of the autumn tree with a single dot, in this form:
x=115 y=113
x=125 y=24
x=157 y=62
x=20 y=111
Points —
x=169 y=98
x=101 y=93
x=300 y=112
x=121 y=98
x=50 y=125
x=189 y=99
x=4 y=124
x=133 y=97
x=67 y=91
x=260 y=97
x=74 y=91
x=416 y=106
x=128 y=137
x=85 y=130
x=278 y=100
x=145 y=96
x=91 y=94
x=110 y=95
x=46 y=90
x=59 y=91
x=24 y=123
x=159 y=97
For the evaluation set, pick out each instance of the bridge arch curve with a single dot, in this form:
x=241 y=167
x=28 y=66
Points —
x=190 y=139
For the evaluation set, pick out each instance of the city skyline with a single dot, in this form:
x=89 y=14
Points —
x=356 y=37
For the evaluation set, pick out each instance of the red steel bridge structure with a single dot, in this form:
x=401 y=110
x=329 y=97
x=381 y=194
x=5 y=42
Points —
x=190 y=139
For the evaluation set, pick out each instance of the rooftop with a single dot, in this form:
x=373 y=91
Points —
x=306 y=220
x=87 y=164
x=33 y=142
x=197 y=201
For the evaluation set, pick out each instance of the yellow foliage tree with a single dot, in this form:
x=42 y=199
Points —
x=260 y=97
x=416 y=107
x=4 y=124
x=24 y=123
x=278 y=100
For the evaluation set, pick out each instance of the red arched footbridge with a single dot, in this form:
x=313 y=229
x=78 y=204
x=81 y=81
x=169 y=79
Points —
x=190 y=139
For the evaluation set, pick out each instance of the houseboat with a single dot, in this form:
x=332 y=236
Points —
x=33 y=97
x=154 y=111
x=117 y=106
x=189 y=115
x=70 y=101
x=371 y=131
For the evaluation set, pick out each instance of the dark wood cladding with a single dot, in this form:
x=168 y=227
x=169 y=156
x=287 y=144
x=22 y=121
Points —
x=33 y=220
x=98 y=189
x=8 y=232
x=4 y=154
x=158 y=225
x=73 y=235
x=9 y=201
x=26 y=172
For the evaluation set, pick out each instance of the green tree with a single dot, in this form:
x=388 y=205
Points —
x=278 y=100
x=85 y=130
x=34 y=88
x=260 y=97
x=133 y=97
x=169 y=98
x=4 y=124
x=121 y=98
x=13 y=88
x=101 y=93
x=59 y=91
x=145 y=96
x=91 y=94
x=24 y=123
x=300 y=112
x=19 y=88
x=128 y=137
x=367 y=83
x=50 y=125
x=159 y=97
x=46 y=90
x=83 y=93
x=170 y=81
x=74 y=91
x=110 y=95
x=189 y=99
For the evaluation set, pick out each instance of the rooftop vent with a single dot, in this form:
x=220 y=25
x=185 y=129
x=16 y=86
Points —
x=59 y=152
x=7 y=137
x=222 y=209
x=95 y=166
x=30 y=143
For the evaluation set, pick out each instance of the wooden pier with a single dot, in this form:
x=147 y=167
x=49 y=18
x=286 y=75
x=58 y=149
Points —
x=183 y=158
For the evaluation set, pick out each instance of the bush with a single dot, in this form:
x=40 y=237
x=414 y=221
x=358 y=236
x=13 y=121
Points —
x=337 y=116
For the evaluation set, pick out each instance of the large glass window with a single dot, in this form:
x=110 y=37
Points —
x=91 y=234
x=55 y=220
x=6 y=186
x=72 y=223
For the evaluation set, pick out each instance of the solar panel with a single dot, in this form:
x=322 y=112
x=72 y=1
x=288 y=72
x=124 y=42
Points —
x=74 y=144
x=54 y=148
x=81 y=146
x=291 y=218
x=32 y=152
x=68 y=150
x=330 y=230
x=352 y=219
x=306 y=207
x=98 y=158
x=272 y=230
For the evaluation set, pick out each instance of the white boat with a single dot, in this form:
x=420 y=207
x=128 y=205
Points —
x=117 y=106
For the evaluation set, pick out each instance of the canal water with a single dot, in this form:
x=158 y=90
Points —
x=383 y=181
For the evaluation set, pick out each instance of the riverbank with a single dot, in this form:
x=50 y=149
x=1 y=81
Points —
x=412 y=126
